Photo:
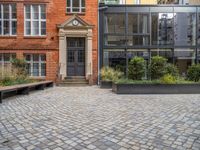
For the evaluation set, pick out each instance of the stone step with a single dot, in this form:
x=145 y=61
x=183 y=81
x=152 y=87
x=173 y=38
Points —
x=73 y=82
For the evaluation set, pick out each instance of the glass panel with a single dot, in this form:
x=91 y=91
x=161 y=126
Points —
x=137 y=40
x=14 y=11
x=43 y=11
x=28 y=28
x=43 y=28
x=166 y=53
x=14 y=27
x=75 y=3
x=35 y=69
x=115 y=40
x=70 y=56
x=83 y=3
x=0 y=11
x=143 y=23
x=35 y=28
x=28 y=68
x=198 y=29
x=198 y=55
x=183 y=59
x=43 y=57
x=6 y=11
x=115 y=59
x=28 y=11
x=43 y=69
x=81 y=56
x=162 y=28
x=6 y=57
x=35 y=57
x=114 y=23
x=35 y=9
x=185 y=29
x=6 y=28
x=132 y=23
x=28 y=57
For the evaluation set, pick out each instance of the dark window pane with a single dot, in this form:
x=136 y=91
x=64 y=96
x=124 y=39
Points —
x=43 y=28
x=35 y=9
x=81 y=56
x=70 y=56
x=6 y=28
x=132 y=23
x=14 y=11
x=43 y=11
x=6 y=11
x=28 y=11
x=35 y=57
x=43 y=57
x=68 y=3
x=28 y=57
x=35 y=69
x=35 y=28
x=6 y=57
x=83 y=3
x=28 y=68
x=143 y=23
x=75 y=3
x=14 y=27
x=115 y=40
x=28 y=28
x=43 y=69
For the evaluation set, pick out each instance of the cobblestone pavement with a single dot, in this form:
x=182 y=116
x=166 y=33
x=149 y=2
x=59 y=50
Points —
x=81 y=118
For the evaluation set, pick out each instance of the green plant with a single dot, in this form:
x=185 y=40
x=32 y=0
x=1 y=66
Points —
x=193 y=73
x=136 y=68
x=172 y=69
x=109 y=74
x=157 y=67
x=168 y=79
x=19 y=65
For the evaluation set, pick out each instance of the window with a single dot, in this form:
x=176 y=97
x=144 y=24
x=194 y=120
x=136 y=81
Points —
x=5 y=61
x=35 y=20
x=36 y=64
x=8 y=19
x=75 y=6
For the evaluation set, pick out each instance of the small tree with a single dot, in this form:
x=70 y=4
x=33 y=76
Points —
x=136 y=68
x=193 y=73
x=157 y=67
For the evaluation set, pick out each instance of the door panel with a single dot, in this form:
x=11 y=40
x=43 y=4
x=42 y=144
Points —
x=75 y=57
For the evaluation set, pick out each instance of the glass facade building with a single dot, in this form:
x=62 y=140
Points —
x=149 y=30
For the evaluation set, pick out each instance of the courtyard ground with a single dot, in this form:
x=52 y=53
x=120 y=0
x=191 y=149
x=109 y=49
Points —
x=81 y=118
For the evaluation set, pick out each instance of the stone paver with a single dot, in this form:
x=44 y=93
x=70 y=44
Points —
x=91 y=118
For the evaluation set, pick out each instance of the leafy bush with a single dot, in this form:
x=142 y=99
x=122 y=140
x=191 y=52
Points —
x=172 y=70
x=20 y=66
x=136 y=68
x=168 y=79
x=193 y=73
x=157 y=67
x=109 y=74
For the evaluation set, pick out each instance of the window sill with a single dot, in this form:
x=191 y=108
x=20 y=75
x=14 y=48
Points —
x=35 y=37
x=38 y=77
x=8 y=37
x=75 y=13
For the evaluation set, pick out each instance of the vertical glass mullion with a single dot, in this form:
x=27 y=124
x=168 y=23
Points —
x=31 y=19
x=39 y=19
x=2 y=24
x=10 y=19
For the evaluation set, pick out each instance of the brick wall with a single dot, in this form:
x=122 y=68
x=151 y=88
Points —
x=56 y=14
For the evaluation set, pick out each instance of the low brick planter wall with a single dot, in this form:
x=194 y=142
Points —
x=156 y=88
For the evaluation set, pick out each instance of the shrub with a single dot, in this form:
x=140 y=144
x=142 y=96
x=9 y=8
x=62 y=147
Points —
x=136 y=68
x=168 y=79
x=157 y=67
x=109 y=74
x=171 y=69
x=193 y=73
x=20 y=66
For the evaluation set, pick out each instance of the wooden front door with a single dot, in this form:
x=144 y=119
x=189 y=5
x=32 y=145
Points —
x=75 y=56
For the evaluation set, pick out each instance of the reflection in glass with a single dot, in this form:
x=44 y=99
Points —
x=183 y=59
x=162 y=28
x=136 y=40
x=115 y=59
x=114 y=40
x=185 y=29
x=114 y=23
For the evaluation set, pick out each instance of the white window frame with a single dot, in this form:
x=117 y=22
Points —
x=31 y=20
x=71 y=7
x=10 y=20
x=40 y=62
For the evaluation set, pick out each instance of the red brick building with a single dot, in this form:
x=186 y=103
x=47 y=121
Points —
x=58 y=38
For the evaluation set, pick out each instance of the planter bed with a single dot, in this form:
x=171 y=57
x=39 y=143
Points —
x=191 y=88
x=106 y=84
